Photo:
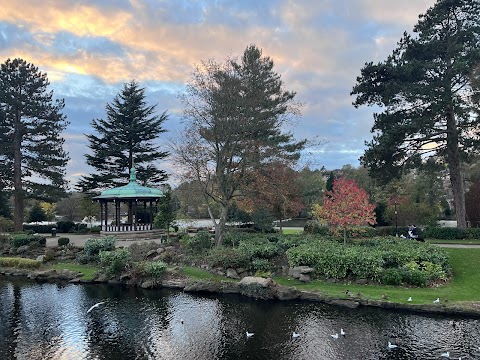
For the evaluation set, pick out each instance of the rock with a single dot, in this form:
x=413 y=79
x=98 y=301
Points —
x=151 y=252
x=41 y=258
x=304 y=278
x=362 y=281
x=170 y=248
x=157 y=258
x=148 y=284
x=232 y=273
x=22 y=249
x=205 y=267
x=240 y=270
x=346 y=303
x=298 y=270
x=160 y=250
x=257 y=287
x=174 y=283
x=284 y=270
x=202 y=286
x=286 y=293
x=114 y=282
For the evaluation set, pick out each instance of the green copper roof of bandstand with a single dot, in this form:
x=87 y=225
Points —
x=132 y=190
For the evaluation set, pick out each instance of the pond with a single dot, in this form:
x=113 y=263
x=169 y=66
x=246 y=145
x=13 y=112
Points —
x=50 y=321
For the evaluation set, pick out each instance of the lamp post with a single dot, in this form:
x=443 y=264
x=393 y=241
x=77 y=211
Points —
x=396 y=219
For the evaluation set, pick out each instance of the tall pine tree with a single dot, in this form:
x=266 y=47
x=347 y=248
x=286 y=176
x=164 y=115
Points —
x=428 y=92
x=125 y=138
x=31 y=146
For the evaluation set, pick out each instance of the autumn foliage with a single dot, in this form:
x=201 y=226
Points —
x=345 y=207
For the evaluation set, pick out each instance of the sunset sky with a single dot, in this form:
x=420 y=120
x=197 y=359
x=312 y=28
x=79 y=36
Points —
x=90 y=48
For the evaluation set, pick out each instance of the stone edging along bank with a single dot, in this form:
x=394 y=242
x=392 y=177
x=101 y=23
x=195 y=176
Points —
x=255 y=287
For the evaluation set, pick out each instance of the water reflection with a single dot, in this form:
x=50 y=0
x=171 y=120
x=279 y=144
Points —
x=49 y=321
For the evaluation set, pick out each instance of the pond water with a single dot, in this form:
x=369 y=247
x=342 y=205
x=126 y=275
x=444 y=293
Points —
x=50 y=321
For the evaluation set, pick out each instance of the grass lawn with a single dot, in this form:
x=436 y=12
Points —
x=200 y=274
x=465 y=285
x=455 y=241
x=87 y=271
x=292 y=231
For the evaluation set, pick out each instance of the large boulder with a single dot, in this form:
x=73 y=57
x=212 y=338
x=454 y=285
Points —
x=299 y=270
x=257 y=287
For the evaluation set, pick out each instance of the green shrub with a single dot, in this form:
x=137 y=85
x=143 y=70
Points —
x=472 y=233
x=115 y=261
x=20 y=263
x=260 y=264
x=18 y=240
x=65 y=226
x=6 y=225
x=155 y=269
x=392 y=276
x=198 y=243
x=444 y=233
x=63 y=241
x=95 y=229
x=40 y=229
x=227 y=258
x=388 y=260
x=259 y=247
x=314 y=227
x=93 y=246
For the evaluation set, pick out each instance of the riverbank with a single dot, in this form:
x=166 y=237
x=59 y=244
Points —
x=459 y=297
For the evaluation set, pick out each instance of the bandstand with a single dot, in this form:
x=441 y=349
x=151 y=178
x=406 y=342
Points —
x=135 y=196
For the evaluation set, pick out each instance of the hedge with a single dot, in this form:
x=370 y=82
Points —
x=373 y=260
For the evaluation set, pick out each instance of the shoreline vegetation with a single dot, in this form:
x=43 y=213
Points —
x=459 y=296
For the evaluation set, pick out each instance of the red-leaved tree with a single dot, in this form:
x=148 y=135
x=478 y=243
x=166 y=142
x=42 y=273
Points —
x=345 y=207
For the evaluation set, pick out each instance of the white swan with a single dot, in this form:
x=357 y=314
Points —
x=342 y=332
x=295 y=335
x=409 y=299
x=445 y=354
x=249 y=334
x=391 y=346
x=335 y=336
x=96 y=305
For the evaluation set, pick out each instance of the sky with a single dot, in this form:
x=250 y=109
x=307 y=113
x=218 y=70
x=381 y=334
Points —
x=89 y=49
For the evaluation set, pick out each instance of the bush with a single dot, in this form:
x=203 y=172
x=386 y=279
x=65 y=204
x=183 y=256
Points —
x=155 y=269
x=95 y=229
x=314 y=227
x=93 y=246
x=227 y=258
x=115 y=261
x=388 y=260
x=258 y=248
x=444 y=233
x=260 y=264
x=198 y=243
x=6 y=225
x=63 y=241
x=20 y=263
x=472 y=233
x=18 y=240
x=65 y=226
x=40 y=229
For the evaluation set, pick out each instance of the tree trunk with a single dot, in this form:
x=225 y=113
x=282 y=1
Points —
x=18 y=194
x=281 y=225
x=455 y=169
x=220 y=229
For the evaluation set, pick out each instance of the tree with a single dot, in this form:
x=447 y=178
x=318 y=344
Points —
x=426 y=89
x=345 y=207
x=275 y=188
x=37 y=214
x=330 y=181
x=235 y=115
x=124 y=139
x=473 y=204
x=5 y=210
x=166 y=212
x=312 y=187
x=31 y=146
x=70 y=207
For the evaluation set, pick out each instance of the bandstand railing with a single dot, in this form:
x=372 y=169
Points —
x=126 y=227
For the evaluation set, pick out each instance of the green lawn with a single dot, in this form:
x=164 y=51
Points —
x=465 y=285
x=88 y=272
x=292 y=231
x=455 y=241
